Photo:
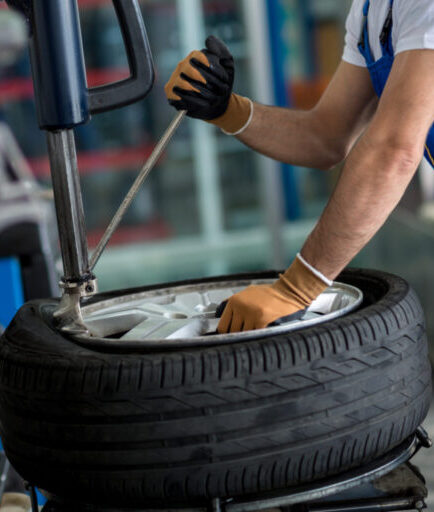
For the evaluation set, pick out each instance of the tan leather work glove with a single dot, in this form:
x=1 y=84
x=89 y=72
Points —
x=258 y=306
x=15 y=502
x=202 y=85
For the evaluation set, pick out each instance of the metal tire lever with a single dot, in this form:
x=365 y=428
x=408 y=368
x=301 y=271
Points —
x=147 y=168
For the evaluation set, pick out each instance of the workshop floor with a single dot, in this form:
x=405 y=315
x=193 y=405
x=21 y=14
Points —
x=425 y=459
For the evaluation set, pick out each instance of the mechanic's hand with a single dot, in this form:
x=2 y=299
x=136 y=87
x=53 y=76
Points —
x=15 y=502
x=258 y=306
x=202 y=85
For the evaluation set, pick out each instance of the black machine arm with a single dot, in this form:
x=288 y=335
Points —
x=139 y=57
x=63 y=99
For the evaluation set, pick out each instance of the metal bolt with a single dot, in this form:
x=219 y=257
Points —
x=420 y=505
x=216 y=505
x=423 y=437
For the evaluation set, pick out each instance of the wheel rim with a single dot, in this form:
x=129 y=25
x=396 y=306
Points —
x=187 y=314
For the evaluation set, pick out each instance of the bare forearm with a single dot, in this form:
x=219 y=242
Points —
x=371 y=185
x=380 y=166
x=320 y=137
x=291 y=136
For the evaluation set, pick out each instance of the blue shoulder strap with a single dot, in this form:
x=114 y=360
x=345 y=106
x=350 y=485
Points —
x=366 y=7
x=385 y=37
x=386 y=33
x=364 y=46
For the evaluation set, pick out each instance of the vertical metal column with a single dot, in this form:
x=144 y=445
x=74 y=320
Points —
x=205 y=151
x=261 y=71
x=62 y=103
x=69 y=205
x=276 y=21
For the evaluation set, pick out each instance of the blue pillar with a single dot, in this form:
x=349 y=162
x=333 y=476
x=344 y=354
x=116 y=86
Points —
x=276 y=19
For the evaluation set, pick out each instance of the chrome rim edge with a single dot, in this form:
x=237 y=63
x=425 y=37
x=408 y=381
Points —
x=185 y=314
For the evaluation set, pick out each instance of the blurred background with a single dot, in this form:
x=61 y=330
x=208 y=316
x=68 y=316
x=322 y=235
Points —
x=212 y=206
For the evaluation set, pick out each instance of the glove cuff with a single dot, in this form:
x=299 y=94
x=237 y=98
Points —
x=237 y=117
x=318 y=274
x=302 y=282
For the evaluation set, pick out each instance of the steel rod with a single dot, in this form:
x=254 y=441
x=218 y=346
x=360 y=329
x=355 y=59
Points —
x=68 y=202
x=147 y=168
x=378 y=505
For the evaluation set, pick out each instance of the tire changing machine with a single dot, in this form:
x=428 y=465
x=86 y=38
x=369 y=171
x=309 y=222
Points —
x=63 y=102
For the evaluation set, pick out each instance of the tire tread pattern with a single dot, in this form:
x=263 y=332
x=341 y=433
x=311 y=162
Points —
x=175 y=426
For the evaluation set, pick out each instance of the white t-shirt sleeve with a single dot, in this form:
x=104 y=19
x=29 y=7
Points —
x=353 y=27
x=414 y=25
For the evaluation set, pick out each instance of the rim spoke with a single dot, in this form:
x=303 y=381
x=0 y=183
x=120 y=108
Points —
x=189 y=302
x=167 y=311
x=107 y=324
x=325 y=303
x=219 y=296
x=310 y=315
x=164 y=329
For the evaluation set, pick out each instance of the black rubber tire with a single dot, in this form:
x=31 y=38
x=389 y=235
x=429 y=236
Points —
x=127 y=428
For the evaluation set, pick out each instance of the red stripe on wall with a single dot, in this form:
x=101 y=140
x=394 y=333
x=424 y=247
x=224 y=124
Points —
x=100 y=161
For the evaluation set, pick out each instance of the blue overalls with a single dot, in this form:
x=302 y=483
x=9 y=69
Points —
x=380 y=69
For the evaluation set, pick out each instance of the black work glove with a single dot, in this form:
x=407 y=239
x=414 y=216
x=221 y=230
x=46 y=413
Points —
x=202 y=83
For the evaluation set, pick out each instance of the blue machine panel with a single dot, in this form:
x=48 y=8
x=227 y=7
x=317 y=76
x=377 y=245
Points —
x=11 y=299
x=11 y=289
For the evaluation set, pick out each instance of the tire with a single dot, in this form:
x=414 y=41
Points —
x=121 y=427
